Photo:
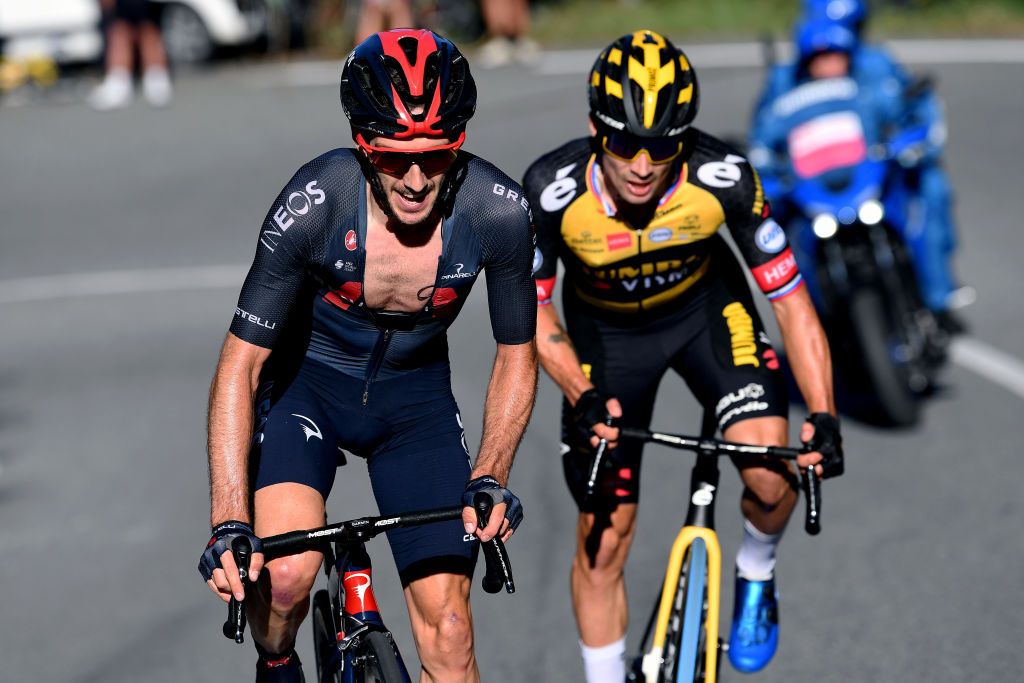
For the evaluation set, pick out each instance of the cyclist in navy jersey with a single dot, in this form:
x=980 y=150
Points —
x=339 y=341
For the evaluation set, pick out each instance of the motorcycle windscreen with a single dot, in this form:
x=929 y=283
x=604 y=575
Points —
x=827 y=142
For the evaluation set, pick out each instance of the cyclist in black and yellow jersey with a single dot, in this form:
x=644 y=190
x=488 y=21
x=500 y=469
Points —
x=634 y=212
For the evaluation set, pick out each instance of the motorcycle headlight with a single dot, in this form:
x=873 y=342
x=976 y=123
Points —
x=871 y=212
x=824 y=226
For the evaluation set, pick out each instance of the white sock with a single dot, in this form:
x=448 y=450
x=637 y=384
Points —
x=605 y=664
x=755 y=560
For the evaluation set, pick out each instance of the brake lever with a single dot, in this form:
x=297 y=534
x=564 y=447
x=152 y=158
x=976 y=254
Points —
x=234 y=627
x=812 y=492
x=498 y=568
x=595 y=469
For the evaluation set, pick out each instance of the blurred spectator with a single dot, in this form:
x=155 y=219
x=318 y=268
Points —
x=131 y=23
x=381 y=15
x=508 y=22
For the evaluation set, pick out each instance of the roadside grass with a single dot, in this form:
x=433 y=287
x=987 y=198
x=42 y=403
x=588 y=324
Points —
x=594 y=22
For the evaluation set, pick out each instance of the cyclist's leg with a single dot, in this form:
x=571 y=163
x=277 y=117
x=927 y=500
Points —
x=424 y=465
x=293 y=463
x=606 y=525
x=734 y=372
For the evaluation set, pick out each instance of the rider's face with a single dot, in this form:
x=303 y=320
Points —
x=411 y=183
x=829 y=65
x=637 y=181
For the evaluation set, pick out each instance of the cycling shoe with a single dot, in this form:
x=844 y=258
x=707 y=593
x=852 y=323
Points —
x=287 y=669
x=754 y=636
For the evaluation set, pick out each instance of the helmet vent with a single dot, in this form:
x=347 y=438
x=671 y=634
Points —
x=410 y=46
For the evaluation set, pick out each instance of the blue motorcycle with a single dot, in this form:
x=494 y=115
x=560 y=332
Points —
x=846 y=227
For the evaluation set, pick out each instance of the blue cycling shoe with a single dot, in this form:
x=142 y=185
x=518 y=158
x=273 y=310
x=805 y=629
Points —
x=287 y=669
x=754 y=636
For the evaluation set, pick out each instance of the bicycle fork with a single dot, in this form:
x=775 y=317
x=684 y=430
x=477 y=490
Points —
x=698 y=538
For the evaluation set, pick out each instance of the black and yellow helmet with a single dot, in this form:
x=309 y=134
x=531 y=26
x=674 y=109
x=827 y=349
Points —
x=643 y=85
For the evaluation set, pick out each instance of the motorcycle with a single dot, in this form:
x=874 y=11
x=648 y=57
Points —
x=846 y=228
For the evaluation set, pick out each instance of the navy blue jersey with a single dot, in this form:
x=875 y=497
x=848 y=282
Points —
x=304 y=291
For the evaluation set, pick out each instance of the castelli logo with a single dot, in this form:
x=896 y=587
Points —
x=350 y=240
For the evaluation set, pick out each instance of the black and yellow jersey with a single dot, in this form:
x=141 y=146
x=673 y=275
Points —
x=612 y=267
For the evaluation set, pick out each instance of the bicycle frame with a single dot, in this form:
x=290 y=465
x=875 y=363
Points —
x=354 y=607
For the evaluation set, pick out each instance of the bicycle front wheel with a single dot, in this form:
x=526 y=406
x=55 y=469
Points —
x=375 y=660
x=686 y=639
x=325 y=638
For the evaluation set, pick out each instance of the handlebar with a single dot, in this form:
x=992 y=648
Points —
x=810 y=481
x=498 y=568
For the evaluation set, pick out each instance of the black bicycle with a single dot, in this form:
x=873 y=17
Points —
x=351 y=642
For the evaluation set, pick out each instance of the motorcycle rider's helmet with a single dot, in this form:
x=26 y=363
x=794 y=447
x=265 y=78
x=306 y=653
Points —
x=393 y=74
x=643 y=85
x=816 y=36
x=851 y=13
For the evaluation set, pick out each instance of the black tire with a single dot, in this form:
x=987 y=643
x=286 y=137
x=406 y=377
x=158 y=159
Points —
x=186 y=38
x=325 y=633
x=876 y=335
x=376 y=660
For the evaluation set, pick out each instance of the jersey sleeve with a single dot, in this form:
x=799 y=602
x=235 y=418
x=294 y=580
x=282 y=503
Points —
x=286 y=248
x=548 y=191
x=762 y=242
x=507 y=238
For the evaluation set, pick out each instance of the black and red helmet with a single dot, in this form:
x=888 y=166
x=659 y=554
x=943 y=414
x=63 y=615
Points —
x=393 y=73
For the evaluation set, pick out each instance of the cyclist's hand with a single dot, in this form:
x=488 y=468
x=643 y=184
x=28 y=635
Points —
x=590 y=415
x=506 y=514
x=821 y=433
x=217 y=564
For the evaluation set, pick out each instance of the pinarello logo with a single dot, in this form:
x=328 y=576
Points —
x=350 y=240
x=620 y=240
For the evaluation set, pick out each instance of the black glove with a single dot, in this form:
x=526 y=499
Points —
x=498 y=494
x=828 y=441
x=591 y=409
x=223 y=534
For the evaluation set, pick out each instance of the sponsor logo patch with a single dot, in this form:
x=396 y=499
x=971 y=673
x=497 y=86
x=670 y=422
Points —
x=741 y=335
x=350 y=240
x=770 y=237
x=660 y=235
x=619 y=240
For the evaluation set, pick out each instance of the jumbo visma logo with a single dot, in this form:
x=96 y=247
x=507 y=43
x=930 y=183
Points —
x=741 y=335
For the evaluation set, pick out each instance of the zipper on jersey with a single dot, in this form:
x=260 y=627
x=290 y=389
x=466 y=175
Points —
x=639 y=252
x=376 y=358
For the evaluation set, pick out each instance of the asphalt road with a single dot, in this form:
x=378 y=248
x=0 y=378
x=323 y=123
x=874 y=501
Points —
x=103 y=495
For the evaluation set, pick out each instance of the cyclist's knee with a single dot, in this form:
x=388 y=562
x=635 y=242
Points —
x=445 y=641
x=291 y=579
x=766 y=487
x=604 y=542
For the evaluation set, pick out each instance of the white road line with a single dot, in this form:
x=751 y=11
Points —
x=984 y=360
x=994 y=365
x=706 y=56
x=73 y=285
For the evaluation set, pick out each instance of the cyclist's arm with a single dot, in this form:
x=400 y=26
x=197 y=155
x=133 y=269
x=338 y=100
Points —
x=507 y=409
x=271 y=286
x=230 y=423
x=807 y=350
x=557 y=354
x=506 y=234
x=764 y=247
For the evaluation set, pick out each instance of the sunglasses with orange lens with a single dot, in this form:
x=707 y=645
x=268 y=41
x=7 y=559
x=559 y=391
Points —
x=625 y=147
x=431 y=160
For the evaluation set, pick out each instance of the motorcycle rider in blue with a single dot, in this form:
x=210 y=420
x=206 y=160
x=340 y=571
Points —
x=911 y=116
